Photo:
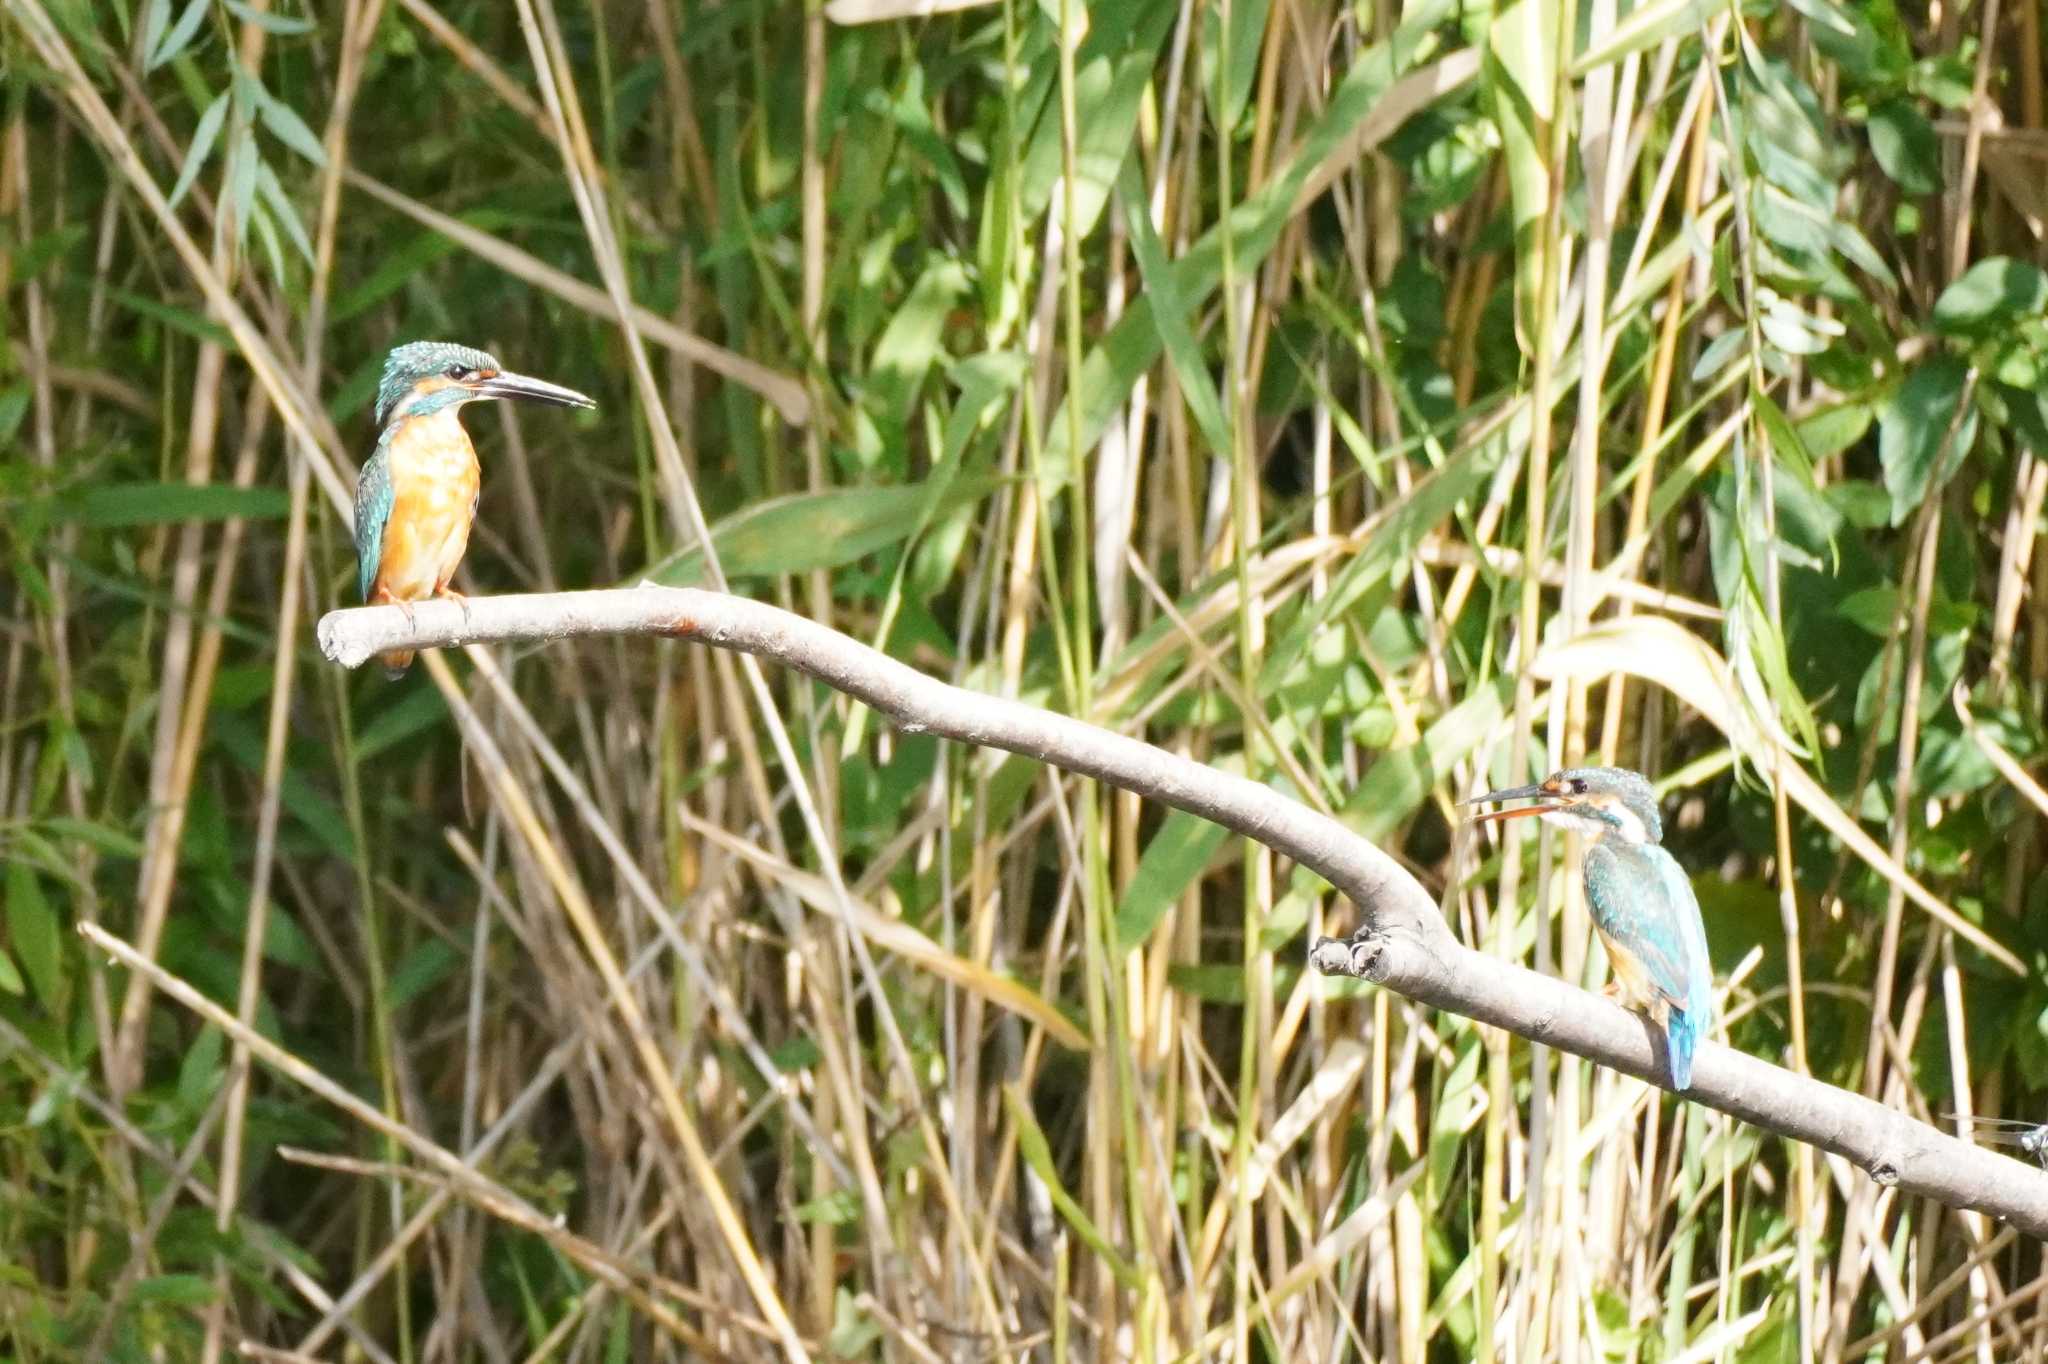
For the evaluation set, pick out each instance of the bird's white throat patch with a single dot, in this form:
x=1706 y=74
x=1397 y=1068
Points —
x=1600 y=816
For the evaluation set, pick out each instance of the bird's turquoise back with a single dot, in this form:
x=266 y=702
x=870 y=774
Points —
x=1642 y=900
x=373 y=510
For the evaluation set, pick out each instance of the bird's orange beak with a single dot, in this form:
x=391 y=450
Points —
x=1543 y=795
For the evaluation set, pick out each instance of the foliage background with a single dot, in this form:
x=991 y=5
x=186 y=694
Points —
x=1169 y=365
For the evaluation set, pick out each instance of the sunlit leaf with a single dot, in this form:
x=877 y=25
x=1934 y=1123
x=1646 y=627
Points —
x=1645 y=27
x=1995 y=293
x=1521 y=77
x=1173 y=859
x=1197 y=385
x=809 y=531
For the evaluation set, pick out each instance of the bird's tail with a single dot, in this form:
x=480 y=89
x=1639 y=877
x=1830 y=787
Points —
x=1682 y=1031
x=396 y=662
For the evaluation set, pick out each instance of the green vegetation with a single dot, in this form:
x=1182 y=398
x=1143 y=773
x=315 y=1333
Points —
x=1172 y=366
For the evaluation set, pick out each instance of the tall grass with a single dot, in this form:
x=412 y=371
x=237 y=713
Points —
x=1282 y=384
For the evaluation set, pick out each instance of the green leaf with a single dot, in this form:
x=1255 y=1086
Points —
x=1871 y=609
x=1131 y=346
x=177 y=319
x=283 y=210
x=1223 y=982
x=33 y=933
x=1385 y=545
x=13 y=407
x=420 y=970
x=179 y=37
x=1645 y=27
x=200 y=1070
x=1794 y=330
x=1395 y=787
x=1521 y=77
x=1247 y=28
x=416 y=710
x=1197 y=385
x=913 y=342
x=281 y=24
x=10 y=975
x=1862 y=504
x=155 y=504
x=401 y=264
x=840 y=1208
x=1037 y=1153
x=1784 y=436
x=1719 y=352
x=243 y=159
x=1831 y=430
x=1921 y=434
x=176 y=1290
x=854 y=1331
x=806 y=532
x=45 y=247
x=204 y=135
x=286 y=125
x=1992 y=295
x=154 y=20
x=1904 y=144
x=1173 y=859
x=1113 y=70
x=303 y=797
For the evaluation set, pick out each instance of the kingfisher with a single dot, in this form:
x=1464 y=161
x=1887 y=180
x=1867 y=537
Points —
x=1641 y=900
x=416 y=497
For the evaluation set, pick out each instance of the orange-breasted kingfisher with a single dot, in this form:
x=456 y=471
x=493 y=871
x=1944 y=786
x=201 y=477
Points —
x=416 y=497
x=1641 y=901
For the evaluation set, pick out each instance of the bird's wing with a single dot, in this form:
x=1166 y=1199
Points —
x=373 y=509
x=1693 y=931
x=1642 y=901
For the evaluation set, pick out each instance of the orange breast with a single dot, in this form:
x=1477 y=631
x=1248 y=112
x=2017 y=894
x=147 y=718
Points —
x=434 y=481
x=1636 y=990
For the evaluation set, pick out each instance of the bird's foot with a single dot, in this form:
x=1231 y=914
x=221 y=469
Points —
x=384 y=598
x=450 y=594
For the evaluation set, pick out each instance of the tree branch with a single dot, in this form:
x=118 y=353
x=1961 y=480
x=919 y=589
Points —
x=1402 y=944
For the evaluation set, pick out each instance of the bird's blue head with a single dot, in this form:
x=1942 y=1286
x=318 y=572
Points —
x=1597 y=801
x=424 y=377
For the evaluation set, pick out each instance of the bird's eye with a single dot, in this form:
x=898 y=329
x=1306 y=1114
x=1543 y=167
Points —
x=1578 y=786
x=457 y=372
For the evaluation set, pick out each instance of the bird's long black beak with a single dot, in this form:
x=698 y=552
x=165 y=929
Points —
x=505 y=384
x=1536 y=792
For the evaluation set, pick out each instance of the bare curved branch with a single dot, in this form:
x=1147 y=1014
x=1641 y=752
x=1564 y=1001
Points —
x=1402 y=942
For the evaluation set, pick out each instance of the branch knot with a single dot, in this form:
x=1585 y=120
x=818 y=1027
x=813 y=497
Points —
x=1359 y=955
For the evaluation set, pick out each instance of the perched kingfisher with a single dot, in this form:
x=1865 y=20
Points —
x=416 y=497
x=1642 y=902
